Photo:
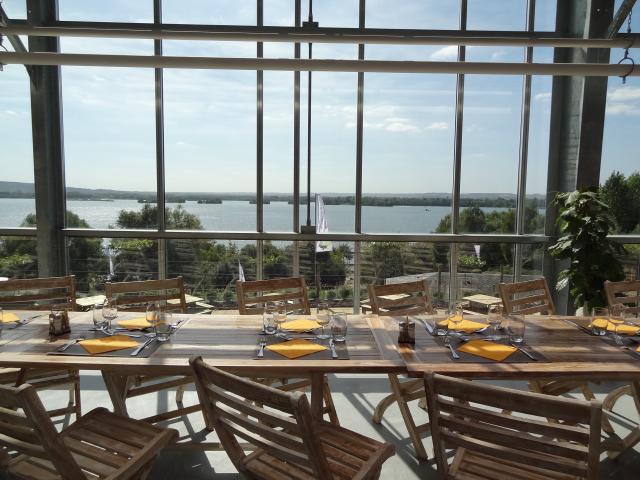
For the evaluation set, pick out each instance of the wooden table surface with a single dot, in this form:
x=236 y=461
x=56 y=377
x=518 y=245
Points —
x=569 y=351
x=229 y=342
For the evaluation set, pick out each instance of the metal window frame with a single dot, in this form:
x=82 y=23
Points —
x=526 y=38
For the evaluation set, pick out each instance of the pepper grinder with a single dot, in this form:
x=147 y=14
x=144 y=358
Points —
x=407 y=333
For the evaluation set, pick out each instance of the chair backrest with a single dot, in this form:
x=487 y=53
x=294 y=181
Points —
x=25 y=427
x=528 y=297
x=39 y=293
x=135 y=296
x=460 y=419
x=409 y=298
x=624 y=294
x=278 y=422
x=253 y=295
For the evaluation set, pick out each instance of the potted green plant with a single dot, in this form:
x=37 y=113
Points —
x=584 y=223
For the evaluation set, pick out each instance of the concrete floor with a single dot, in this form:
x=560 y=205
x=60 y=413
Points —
x=355 y=398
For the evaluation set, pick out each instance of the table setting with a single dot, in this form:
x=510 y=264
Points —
x=286 y=336
x=615 y=326
x=478 y=338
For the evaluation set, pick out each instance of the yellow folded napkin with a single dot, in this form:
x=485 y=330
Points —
x=296 y=348
x=616 y=326
x=9 y=317
x=466 y=326
x=300 y=325
x=108 y=344
x=135 y=323
x=490 y=350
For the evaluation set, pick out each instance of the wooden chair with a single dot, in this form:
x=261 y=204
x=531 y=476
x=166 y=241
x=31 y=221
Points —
x=527 y=298
x=623 y=294
x=530 y=297
x=410 y=298
x=252 y=297
x=135 y=296
x=492 y=445
x=289 y=443
x=41 y=294
x=99 y=445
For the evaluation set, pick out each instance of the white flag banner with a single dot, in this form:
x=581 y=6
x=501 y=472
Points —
x=477 y=249
x=240 y=272
x=321 y=225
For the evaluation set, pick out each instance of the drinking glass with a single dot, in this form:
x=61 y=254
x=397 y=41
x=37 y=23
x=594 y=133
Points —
x=152 y=314
x=338 y=325
x=163 y=326
x=494 y=318
x=109 y=312
x=268 y=321
x=99 y=322
x=323 y=316
x=600 y=313
x=515 y=328
x=279 y=317
x=456 y=315
x=624 y=318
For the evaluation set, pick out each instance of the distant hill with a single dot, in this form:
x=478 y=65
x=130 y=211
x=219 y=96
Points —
x=26 y=190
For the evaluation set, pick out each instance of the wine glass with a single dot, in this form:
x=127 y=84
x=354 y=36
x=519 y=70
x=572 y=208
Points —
x=456 y=315
x=152 y=315
x=109 y=312
x=323 y=316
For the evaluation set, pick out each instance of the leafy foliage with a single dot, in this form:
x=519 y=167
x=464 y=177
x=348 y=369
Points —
x=623 y=197
x=584 y=223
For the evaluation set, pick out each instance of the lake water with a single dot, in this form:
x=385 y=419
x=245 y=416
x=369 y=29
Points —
x=241 y=216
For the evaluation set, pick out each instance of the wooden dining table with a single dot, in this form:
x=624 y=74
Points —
x=225 y=341
x=230 y=342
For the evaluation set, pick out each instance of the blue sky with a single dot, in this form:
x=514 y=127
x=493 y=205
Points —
x=210 y=116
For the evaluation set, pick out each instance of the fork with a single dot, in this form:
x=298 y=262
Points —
x=70 y=343
x=263 y=343
x=447 y=343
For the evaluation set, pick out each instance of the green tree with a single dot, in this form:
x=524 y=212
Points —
x=86 y=257
x=622 y=195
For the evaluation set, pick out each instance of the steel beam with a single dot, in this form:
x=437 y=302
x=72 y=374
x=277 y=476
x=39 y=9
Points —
x=577 y=118
x=14 y=40
x=578 y=69
x=48 y=149
x=619 y=18
x=304 y=237
x=317 y=35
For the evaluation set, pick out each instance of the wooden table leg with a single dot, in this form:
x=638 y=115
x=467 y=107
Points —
x=117 y=387
x=317 y=387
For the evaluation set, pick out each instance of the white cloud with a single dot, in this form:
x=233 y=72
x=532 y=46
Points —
x=450 y=52
x=622 y=109
x=624 y=94
x=544 y=96
x=437 y=126
x=400 y=127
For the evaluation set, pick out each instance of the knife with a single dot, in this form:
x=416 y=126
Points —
x=524 y=351
x=427 y=325
x=334 y=353
x=143 y=346
x=580 y=327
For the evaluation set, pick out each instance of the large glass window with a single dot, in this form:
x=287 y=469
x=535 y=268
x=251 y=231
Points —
x=407 y=151
x=16 y=162
x=620 y=168
x=101 y=11
x=109 y=128
x=428 y=14
x=18 y=257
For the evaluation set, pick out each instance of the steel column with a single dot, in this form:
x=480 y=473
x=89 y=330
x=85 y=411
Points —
x=48 y=147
